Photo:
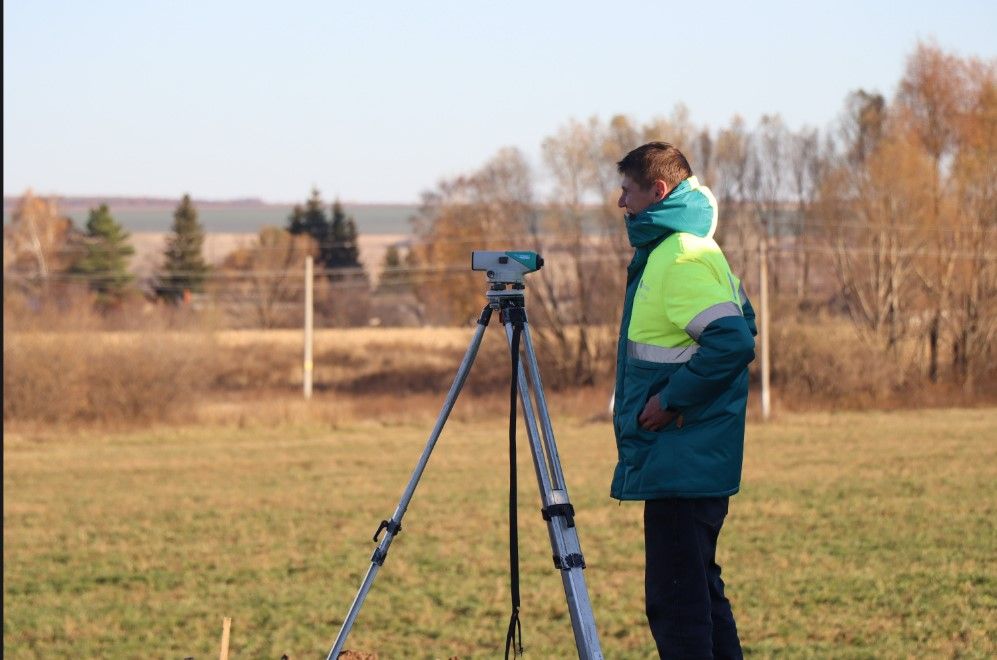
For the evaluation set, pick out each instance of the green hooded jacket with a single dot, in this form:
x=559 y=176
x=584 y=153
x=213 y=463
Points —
x=686 y=336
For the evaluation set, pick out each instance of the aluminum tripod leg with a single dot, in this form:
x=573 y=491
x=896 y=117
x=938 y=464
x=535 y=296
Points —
x=392 y=527
x=557 y=508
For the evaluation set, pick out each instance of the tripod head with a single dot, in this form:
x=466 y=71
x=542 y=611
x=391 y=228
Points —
x=506 y=268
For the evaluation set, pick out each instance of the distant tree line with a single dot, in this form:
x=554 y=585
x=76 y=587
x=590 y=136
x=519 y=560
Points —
x=46 y=257
x=886 y=219
x=889 y=217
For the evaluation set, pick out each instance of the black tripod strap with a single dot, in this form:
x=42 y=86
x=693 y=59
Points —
x=514 y=636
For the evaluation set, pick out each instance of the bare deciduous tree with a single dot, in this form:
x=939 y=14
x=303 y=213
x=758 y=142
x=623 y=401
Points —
x=737 y=232
x=871 y=214
x=862 y=124
x=805 y=164
x=268 y=274
x=490 y=209
x=38 y=241
x=974 y=172
x=930 y=101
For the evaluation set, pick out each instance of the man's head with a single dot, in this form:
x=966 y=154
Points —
x=649 y=173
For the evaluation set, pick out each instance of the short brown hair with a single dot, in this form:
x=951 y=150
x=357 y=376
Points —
x=655 y=160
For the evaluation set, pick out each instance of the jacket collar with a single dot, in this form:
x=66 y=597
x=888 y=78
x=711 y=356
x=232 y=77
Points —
x=689 y=208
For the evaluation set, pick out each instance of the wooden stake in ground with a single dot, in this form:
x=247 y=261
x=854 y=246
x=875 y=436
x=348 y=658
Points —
x=226 y=627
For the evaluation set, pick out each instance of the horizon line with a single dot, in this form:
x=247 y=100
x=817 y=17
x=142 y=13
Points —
x=158 y=200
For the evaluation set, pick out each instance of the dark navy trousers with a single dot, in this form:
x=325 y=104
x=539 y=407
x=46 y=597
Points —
x=686 y=608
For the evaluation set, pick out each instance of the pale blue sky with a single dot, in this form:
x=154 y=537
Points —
x=378 y=101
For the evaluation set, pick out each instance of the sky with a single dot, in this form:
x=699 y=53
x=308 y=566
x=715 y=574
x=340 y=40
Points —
x=377 y=102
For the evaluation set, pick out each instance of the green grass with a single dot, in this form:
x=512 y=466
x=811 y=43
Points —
x=855 y=535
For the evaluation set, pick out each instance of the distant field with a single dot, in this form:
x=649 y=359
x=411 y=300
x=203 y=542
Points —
x=149 y=247
x=249 y=219
x=229 y=227
x=856 y=535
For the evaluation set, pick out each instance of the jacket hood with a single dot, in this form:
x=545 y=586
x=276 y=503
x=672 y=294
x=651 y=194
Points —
x=689 y=208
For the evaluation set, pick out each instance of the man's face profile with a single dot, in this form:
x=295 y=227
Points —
x=635 y=198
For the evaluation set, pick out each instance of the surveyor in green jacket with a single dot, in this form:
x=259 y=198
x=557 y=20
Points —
x=686 y=338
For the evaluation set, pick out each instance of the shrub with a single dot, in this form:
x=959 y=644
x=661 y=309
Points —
x=104 y=377
x=826 y=362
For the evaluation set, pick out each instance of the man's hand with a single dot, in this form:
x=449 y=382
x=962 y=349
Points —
x=655 y=418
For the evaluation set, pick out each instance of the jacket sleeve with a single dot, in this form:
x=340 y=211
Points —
x=701 y=300
x=726 y=347
x=749 y=312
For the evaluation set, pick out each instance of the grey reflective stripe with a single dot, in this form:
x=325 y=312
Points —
x=738 y=291
x=733 y=289
x=709 y=315
x=652 y=353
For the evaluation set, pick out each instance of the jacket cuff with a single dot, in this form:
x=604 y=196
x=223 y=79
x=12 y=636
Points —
x=663 y=402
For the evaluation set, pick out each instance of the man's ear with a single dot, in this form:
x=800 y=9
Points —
x=661 y=190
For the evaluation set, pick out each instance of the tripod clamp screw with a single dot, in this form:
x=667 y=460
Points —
x=393 y=528
x=564 y=510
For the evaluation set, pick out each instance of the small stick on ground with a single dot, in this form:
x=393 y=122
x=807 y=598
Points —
x=226 y=627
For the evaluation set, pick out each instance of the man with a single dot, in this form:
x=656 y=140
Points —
x=686 y=338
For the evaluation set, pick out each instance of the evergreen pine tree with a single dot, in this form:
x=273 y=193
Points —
x=345 y=251
x=296 y=221
x=310 y=219
x=184 y=269
x=104 y=261
x=338 y=248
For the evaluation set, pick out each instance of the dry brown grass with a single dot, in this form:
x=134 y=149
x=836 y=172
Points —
x=136 y=377
x=355 y=361
x=826 y=363
x=830 y=359
x=77 y=371
x=58 y=378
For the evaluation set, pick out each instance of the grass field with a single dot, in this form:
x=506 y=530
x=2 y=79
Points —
x=855 y=535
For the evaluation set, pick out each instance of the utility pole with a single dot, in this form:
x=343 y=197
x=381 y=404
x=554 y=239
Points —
x=763 y=272
x=309 y=322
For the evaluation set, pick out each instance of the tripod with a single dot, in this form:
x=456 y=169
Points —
x=557 y=510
